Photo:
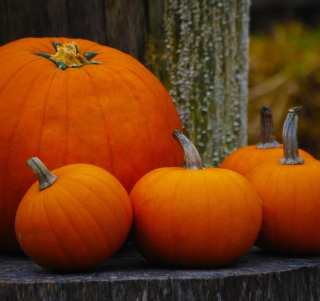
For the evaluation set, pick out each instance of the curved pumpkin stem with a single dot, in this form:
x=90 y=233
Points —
x=267 y=137
x=290 y=140
x=44 y=176
x=191 y=155
x=69 y=55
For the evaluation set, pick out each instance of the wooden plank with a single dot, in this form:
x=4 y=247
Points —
x=257 y=276
x=96 y=290
x=5 y=290
x=130 y=289
x=119 y=24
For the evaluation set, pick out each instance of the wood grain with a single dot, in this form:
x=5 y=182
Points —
x=128 y=276
x=119 y=24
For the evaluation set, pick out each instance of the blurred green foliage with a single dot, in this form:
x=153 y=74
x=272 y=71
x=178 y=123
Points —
x=285 y=72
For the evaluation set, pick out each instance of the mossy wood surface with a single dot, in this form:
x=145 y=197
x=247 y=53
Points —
x=128 y=276
x=199 y=50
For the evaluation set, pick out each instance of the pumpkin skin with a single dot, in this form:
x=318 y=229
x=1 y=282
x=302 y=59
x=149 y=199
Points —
x=291 y=206
x=194 y=218
x=290 y=192
x=78 y=222
x=104 y=114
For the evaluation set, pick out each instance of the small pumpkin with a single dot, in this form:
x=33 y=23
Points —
x=194 y=216
x=72 y=218
x=290 y=192
x=83 y=103
x=244 y=159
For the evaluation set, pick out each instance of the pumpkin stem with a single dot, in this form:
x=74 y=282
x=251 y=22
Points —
x=191 y=155
x=69 y=55
x=267 y=137
x=44 y=176
x=290 y=140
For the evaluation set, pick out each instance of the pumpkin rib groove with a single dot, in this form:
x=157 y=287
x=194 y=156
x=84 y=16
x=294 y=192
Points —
x=86 y=70
x=45 y=212
x=177 y=179
x=247 y=205
x=174 y=242
x=163 y=114
x=106 y=205
x=44 y=111
x=314 y=192
x=137 y=103
x=210 y=222
x=105 y=183
x=92 y=218
x=151 y=221
x=10 y=143
x=71 y=226
x=97 y=243
x=153 y=145
x=222 y=176
x=49 y=222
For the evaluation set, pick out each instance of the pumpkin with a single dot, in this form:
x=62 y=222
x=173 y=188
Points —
x=72 y=218
x=290 y=192
x=194 y=216
x=83 y=103
x=244 y=159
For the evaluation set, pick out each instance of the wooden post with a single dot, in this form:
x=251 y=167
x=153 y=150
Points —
x=199 y=50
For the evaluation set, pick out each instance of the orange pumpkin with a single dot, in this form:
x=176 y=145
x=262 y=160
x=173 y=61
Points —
x=290 y=192
x=244 y=159
x=194 y=217
x=103 y=112
x=73 y=218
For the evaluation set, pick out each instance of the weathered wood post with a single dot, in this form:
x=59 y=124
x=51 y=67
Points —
x=199 y=50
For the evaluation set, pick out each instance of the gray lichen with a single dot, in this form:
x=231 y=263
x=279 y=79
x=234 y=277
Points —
x=203 y=62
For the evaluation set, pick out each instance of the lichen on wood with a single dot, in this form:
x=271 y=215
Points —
x=199 y=50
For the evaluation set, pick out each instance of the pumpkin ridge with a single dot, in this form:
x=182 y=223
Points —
x=10 y=143
x=165 y=112
x=44 y=212
x=71 y=226
x=177 y=180
x=162 y=108
x=155 y=176
x=99 y=100
x=137 y=101
x=95 y=195
x=234 y=177
x=45 y=104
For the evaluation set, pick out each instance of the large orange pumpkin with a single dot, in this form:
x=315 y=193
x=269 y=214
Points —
x=290 y=192
x=72 y=218
x=245 y=158
x=194 y=217
x=103 y=112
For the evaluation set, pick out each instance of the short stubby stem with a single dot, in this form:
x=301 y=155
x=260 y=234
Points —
x=69 y=55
